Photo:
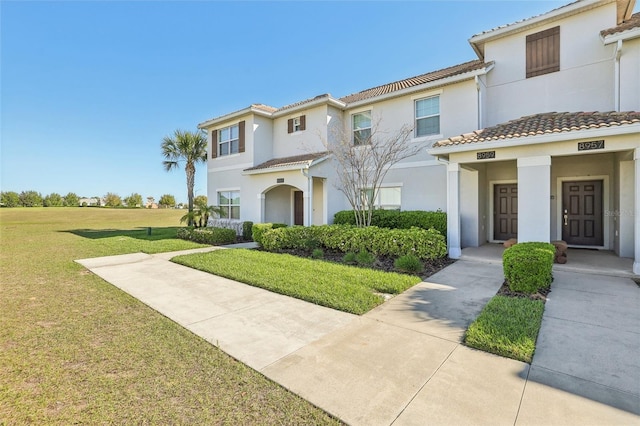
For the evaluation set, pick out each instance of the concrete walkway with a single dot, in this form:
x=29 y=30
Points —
x=402 y=363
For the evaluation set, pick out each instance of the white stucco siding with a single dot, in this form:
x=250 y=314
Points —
x=422 y=187
x=630 y=76
x=301 y=142
x=262 y=139
x=244 y=159
x=584 y=82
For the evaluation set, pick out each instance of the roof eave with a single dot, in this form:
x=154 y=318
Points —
x=287 y=167
x=326 y=100
x=555 y=14
x=622 y=35
x=425 y=86
x=533 y=140
x=235 y=114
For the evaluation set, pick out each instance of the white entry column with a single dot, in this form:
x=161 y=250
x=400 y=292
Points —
x=534 y=198
x=453 y=210
x=636 y=212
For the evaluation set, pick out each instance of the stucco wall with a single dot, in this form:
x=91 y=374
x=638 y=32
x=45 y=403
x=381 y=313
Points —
x=302 y=142
x=630 y=76
x=584 y=82
x=278 y=204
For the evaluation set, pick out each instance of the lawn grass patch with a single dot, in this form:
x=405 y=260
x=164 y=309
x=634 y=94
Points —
x=507 y=326
x=76 y=350
x=340 y=287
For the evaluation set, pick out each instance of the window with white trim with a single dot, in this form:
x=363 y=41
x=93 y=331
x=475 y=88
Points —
x=387 y=198
x=229 y=203
x=427 y=116
x=361 y=127
x=228 y=140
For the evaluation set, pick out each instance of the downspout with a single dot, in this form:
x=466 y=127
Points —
x=616 y=77
x=305 y=173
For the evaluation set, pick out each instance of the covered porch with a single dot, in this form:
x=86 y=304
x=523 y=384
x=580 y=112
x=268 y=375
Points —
x=586 y=261
x=568 y=176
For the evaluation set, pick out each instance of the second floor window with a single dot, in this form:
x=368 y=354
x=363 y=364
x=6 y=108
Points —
x=428 y=116
x=361 y=126
x=228 y=141
x=296 y=124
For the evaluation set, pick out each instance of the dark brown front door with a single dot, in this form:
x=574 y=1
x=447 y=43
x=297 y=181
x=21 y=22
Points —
x=505 y=211
x=582 y=214
x=298 y=208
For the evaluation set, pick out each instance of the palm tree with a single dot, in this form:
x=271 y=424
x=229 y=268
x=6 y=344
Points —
x=190 y=147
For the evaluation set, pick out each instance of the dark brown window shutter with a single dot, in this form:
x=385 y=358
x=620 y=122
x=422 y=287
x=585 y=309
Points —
x=303 y=122
x=241 y=136
x=543 y=52
x=290 y=125
x=214 y=144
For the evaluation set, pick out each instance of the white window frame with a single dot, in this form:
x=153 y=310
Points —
x=416 y=118
x=229 y=206
x=296 y=124
x=354 y=129
x=229 y=143
x=376 y=202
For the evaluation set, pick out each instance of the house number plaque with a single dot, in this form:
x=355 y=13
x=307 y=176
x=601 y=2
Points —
x=280 y=180
x=484 y=155
x=586 y=146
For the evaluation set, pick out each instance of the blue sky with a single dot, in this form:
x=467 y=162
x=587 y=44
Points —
x=89 y=89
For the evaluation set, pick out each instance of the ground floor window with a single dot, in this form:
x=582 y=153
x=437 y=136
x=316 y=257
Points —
x=229 y=202
x=387 y=198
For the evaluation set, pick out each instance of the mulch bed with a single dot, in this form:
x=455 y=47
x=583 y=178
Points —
x=540 y=295
x=382 y=263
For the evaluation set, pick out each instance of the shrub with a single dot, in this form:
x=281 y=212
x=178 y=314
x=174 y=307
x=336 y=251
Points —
x=246 y=230
x=399 y=219
x=423 y=243
x=349 y=258
x=528 y=266
x=364 y=258
x=213 y=236
x=317 y=253
x=258 y=229
x=409 y=263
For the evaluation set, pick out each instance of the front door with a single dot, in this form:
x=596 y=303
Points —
x=582 y=213
x=505 y=211
x=298 y=208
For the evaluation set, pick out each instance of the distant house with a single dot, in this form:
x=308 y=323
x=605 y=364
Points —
x=538 y=138
x=92 y=201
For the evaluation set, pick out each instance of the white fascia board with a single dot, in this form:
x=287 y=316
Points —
x=307 y=105
x=232 y=115
x=561 y=12
x=534 y=140
x=432 y=84
x=624 y=35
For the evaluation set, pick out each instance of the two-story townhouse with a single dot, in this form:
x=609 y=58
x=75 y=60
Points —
x=542 y=169
x=539 y=168
x=272 y=164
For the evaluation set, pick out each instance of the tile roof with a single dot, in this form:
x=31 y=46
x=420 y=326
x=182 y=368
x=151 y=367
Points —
x=632 y=22
x=264 y=107
x=542 y=124
x=414 y=81
x=290 y=161
x=306 y=101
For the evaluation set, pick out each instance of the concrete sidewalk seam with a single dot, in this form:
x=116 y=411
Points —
x=524 y=389
x=626 y=392
x=590 y=324
x=426 y=382
x=457 y=342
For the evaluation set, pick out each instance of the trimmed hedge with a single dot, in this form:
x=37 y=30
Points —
x=399 y=219
x=528 y=266
x=422 y=243
x=209 y=235
x=246 y=230
x=258 y=229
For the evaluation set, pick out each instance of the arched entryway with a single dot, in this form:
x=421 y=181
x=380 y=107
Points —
x=284 y=204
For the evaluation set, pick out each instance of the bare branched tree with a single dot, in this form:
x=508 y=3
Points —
x=362 y=159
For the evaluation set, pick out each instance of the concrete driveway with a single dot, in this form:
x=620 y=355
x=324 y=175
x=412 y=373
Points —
x=403 y=363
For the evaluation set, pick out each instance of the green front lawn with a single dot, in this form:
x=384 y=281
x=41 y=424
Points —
x=76 y=350
x=340 y=287
x=507 y=326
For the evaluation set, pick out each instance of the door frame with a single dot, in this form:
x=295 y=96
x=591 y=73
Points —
x=492 y=189
x=293 y=205
x=605 y=207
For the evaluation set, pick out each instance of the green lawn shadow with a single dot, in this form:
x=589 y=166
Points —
x=141 y=233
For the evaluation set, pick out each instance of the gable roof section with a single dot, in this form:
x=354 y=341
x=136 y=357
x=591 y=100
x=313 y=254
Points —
x=543 y=124
x=289 y=162
x=477 y=41
x=414 y=81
